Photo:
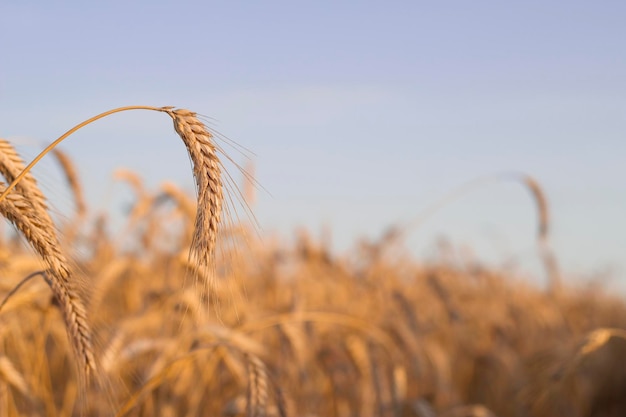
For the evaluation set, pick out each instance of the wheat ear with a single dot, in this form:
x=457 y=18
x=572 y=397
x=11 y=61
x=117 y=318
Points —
x=11 y=375
x=11 y=165
x=170 y=191
x=21 y=212
x=258 y=386
x=547 y=254
x=207 y=173
x=73 y=180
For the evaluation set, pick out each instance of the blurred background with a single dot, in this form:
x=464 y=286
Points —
x=357 y=116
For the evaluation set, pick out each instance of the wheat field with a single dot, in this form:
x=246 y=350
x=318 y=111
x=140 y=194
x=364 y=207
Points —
x=201 y=316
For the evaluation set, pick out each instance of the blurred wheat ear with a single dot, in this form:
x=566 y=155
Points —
x=548 y=257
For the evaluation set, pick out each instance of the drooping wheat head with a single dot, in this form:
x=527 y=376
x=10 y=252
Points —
x=26 y=218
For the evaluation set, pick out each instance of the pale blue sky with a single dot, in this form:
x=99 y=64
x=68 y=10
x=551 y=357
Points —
x=360 y=113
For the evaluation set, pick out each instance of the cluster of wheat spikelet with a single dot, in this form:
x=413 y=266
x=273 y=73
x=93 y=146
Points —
x=298 y=330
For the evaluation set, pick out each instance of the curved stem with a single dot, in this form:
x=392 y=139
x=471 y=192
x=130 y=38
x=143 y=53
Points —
x=19 y=285
x=66 y=134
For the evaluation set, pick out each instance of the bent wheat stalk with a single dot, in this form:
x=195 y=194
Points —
x=547 y=255
x=206 y=171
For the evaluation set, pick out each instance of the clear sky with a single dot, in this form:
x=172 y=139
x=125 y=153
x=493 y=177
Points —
x=359 y=114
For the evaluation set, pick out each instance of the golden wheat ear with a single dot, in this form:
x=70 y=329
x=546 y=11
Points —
x=543 y=236
x=25 y=207
x=11 y=166
x=73 y=180
x=206 y=170
x=207 y=173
